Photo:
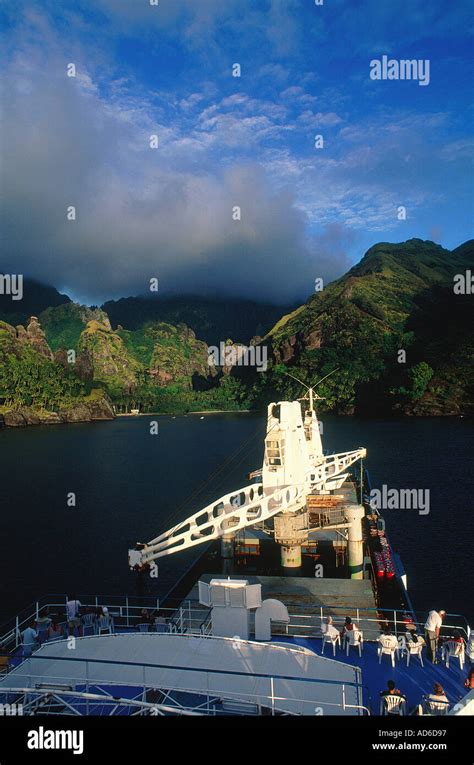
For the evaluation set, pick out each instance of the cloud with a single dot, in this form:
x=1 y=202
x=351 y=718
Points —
x=247 y=142
x=140 y=212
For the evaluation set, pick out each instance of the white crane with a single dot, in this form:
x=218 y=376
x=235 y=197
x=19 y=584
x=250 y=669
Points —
x=294 y=466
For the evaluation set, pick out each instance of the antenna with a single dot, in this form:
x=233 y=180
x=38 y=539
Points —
x=310 y=388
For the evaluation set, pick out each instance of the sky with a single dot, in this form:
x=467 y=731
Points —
x=227 y=142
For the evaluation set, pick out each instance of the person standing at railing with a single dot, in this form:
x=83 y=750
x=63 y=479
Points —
x=73 y=607
x=29 y=639
x=433 y=625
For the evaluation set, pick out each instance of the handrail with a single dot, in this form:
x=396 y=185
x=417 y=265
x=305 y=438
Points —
x=126 y=612
x=245 y=696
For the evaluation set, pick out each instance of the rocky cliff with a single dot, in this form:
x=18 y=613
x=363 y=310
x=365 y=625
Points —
x=374 y=327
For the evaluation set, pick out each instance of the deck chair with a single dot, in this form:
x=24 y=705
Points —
x=432 y=707
x=386 y=647
x=354 y=638
x=414 y=649
x=89 y=623
x=105 y=624
x=332 y=640
x=454 y=650
x=143 y=627
x=392 y=704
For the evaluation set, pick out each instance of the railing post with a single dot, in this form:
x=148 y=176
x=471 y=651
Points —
x=37 y=610
x=126 y=604
x=17 y=631
x=87 y=687
x=272 y=689
x=343 y=696
x=395 y=621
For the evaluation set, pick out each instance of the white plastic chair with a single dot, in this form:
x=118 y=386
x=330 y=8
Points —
x=414 y=649
x=88 y=622
x=143 y=627
x=454 y=650
x=433 y=707
x=386 y=646
x=354 y=638
x=392 y=704
x=104 y=625
x=333 y=640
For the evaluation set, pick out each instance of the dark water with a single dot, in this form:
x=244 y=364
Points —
x=130 y=486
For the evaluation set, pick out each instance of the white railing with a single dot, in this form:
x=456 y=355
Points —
x=208 y=696
x=191 y=617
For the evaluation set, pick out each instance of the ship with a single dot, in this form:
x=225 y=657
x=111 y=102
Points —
x=297 y=606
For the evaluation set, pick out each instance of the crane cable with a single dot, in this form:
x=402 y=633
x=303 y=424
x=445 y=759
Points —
x=216 y=472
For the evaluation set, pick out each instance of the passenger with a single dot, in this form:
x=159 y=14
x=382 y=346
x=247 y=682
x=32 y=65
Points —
x=29 y=639
x=469 y=682
x=457 y=638
x=410 y=625
x=349 y=625
x=328 y=628
x=436 y=702
x=55 y=630
x=412 y=636
x=391 y=690
x=73 y=616
x=145 y=617
x=388 y=639
x=432 y=627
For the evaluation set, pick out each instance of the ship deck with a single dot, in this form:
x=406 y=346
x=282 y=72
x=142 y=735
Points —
x=413 y=681
x=140 y=663
x=128 y=663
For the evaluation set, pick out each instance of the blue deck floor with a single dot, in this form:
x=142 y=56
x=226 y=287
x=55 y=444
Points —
x=413 y=681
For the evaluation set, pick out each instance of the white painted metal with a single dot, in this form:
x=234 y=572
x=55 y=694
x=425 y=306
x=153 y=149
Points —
x=271 y=610
x=224 y=668
x=293 y=466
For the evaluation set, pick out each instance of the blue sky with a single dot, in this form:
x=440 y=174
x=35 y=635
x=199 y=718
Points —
x=228 y=141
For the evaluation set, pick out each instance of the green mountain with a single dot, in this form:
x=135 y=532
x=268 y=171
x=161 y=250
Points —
x=212 y=319
x=388 y=303
x=391 y=335
x=63 y=324
x=36 y=388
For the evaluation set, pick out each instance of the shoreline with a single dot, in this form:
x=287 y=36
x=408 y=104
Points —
x=185 y=414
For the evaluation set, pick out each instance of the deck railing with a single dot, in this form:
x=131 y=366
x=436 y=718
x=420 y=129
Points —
x=206 y=696
x=192 y=618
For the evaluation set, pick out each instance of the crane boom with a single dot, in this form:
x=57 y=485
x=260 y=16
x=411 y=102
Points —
x=242 y=508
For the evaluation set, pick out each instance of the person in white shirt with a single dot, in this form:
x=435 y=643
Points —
x=30 y=639
x=73 y=616
x=433 y=625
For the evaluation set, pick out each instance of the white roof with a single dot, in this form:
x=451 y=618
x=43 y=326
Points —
x=185 y=659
